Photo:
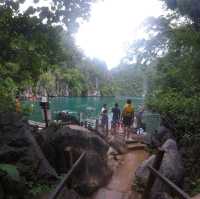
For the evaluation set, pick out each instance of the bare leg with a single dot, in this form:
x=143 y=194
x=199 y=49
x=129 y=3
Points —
x=107 y=129
x=124 y=132
x=128 y=132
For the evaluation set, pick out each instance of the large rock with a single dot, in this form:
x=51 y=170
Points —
x=163 y=196
x=118 y=144
x=59 y=144
x=19 y=147
x=93 y=173
x=163 y=134
x=171 y=168
x=159 y=137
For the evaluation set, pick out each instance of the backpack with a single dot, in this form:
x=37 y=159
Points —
x=128 y=111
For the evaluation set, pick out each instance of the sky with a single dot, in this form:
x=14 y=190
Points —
x=113 y=25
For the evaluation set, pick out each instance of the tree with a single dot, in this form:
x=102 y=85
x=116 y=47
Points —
x=189 y=8
x=128 y=80
x=64 y=12
x=30 y=49
x=173 y=49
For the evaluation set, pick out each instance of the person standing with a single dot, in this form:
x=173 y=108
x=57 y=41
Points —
x=104 y=119
x=116 y=117
x=139 y=116
x=127 y=117
x=104 y=108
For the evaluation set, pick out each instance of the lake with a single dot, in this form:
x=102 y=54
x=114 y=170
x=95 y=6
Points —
x=88 y=106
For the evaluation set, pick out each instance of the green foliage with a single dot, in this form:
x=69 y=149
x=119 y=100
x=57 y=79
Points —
x=11 y=171
x=7 y=93
x=138 y=185
x=171 y=57
x=60 y=11
x=195 y=187
x=129 y=80
x=190 y=8
x=175 y=87
x=37 y=189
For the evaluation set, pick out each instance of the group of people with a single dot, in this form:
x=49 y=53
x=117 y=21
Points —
x=124 y=118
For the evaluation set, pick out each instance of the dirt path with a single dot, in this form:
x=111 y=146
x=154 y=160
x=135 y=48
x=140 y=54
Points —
x=120 y=184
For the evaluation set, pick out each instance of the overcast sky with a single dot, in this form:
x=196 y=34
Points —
x=113 y=25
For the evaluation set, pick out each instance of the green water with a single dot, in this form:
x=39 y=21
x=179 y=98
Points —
x=88 y=106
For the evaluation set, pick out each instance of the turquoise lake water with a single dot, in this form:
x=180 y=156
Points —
x=88 y=106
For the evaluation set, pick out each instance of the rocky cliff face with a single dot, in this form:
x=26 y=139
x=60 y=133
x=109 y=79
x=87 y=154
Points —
x=19 y=148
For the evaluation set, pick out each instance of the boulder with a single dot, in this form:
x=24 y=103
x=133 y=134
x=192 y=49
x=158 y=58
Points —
x=163 y=196
x=163 y=134
x=69 y=193
x=19 y=147
x=171 y=167
x=159 y=137
x=63 y=145
x=93 y=173
x=118 y=144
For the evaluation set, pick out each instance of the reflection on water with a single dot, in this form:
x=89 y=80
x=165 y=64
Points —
x=89 y=107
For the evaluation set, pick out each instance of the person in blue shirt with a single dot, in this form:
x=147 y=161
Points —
x=116 y=117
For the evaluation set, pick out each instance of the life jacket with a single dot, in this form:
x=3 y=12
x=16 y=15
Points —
x=128 y=110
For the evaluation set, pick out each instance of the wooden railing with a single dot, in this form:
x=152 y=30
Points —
x=154 y=173
x=61 y=185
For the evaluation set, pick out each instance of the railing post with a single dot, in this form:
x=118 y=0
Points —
x=156 y=165
x=69 y=153
x=86 y=124
x=97 y=124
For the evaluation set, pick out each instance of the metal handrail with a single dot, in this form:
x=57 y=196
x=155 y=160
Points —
x=175 y=188
x=60 y=186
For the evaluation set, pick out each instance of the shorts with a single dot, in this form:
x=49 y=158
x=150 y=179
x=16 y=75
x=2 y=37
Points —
x=104 y=120
x=127 y=121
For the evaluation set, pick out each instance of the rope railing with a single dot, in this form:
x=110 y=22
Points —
x=61 y=185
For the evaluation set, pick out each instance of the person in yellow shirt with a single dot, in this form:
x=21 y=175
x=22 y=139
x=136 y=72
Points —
x=127 y=117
